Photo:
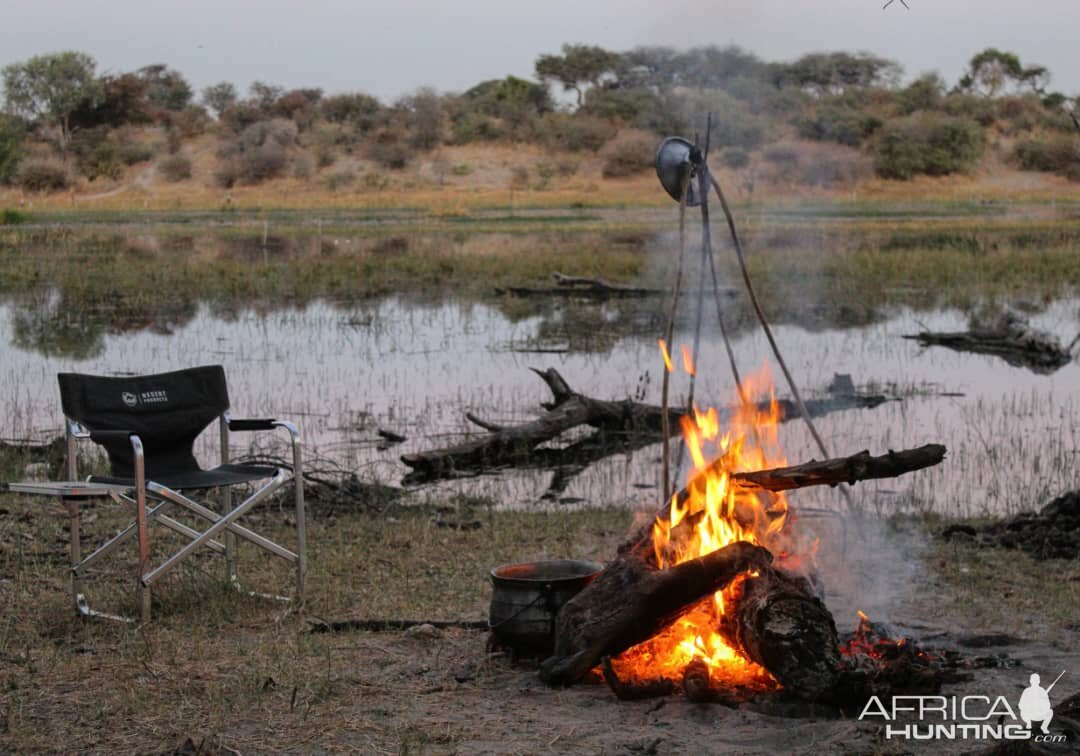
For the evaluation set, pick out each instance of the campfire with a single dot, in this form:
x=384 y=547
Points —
x=715 y=514
x=717 y=594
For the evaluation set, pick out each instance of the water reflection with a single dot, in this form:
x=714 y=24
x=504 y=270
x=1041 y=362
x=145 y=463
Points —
x=416 y=368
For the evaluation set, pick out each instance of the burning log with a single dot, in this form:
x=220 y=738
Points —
x=776 y=621
x=634 y=691
x=696 y=683
x=780 y=623
x=517 y=444
x=632 y=600
x=829 y=472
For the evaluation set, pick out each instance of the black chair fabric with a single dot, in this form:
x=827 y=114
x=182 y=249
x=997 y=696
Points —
x=167 y=411
x=223 y=475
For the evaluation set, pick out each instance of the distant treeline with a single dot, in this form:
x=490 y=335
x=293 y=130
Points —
x=62 y=119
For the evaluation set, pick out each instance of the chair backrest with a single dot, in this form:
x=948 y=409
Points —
x=167 y=410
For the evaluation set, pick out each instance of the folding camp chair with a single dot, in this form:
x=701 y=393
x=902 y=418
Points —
x=148 y=425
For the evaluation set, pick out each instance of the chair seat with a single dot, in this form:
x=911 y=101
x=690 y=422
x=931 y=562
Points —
x=224 y=475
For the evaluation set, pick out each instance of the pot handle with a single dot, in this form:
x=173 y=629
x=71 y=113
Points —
x=544 y=596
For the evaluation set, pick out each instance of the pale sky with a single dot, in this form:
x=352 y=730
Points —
x=390 y=48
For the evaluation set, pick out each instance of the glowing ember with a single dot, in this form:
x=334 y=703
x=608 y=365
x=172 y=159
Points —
x=716 y=513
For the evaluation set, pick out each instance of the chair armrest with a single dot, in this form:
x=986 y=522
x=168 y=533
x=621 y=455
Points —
x=252 y=424
x=101 y=436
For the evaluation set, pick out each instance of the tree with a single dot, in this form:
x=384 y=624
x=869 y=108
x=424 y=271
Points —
x=836 y=72
x=990 y=70
x=219 y=96
x=298 y=105
x=167 y=87
x=423 y=115
x=49 y=88
x=924 y=93
x=579 y=65
x=1036 y=77
x=265 y=95
x=357 y=109
x=123 y=100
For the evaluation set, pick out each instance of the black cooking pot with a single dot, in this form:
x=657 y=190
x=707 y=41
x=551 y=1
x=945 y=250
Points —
x=527 y=597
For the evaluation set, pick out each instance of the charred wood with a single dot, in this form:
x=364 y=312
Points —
x=625 y=691
x=777 y=621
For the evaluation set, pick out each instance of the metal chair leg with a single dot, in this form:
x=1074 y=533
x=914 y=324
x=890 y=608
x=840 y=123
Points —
x=72 y=465
x=227 y=502
x=142 y=523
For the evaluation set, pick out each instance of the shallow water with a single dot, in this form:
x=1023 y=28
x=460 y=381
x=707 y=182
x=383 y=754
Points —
x=342 y=372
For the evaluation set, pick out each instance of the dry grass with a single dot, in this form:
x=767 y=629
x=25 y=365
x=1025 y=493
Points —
x=234 y=672
x=460 y=179
x=220 y=665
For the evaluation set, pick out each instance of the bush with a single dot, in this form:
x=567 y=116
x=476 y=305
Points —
x=339 y=180
x=132 y=152
x=11 y=138
x=928 y=143
x=42 y=174
x=519 y=177
x=1060 y=155
x=629 y=156
x=474 y=127
x=781 y=155
x=190 y=122
x=238 y=116
x=831 y=170
x=96 y=153
x=838 y=124
x=375 y=181
x=359 y=111
x=253 y=166
x=389 y=150
x=733 y=125
x=303 y=167
x=259 y=153
x=175 y=167
x=12 y=217
x=982 y=110
x=735 y=157
x=575 y=133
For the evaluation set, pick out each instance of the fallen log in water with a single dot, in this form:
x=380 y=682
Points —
x=592 y=288
x=1010 y=337
x=777 y=621
x=517 y=444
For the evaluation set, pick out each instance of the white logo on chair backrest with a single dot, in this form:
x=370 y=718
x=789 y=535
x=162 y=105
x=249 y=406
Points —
x=146 y=397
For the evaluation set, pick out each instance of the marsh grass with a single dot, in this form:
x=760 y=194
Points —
x=859 y=265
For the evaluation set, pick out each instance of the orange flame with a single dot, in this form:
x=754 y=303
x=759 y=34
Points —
x=666 y=355
x=687 y=360
x=713 y=512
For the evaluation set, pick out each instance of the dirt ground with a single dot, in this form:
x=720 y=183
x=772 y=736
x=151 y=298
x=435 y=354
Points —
x=236 y=674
